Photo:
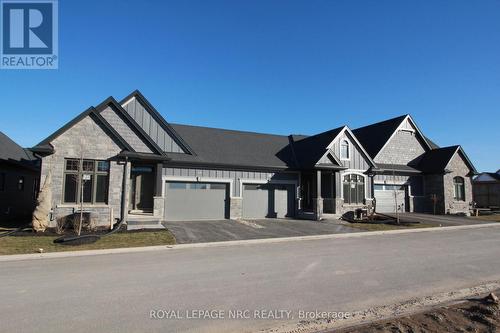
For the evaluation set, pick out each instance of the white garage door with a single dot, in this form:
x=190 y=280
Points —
x=389 y=197
x=186 y=201
x=267 y=201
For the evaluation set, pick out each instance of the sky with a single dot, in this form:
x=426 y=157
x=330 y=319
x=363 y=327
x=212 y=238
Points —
x=274 y=66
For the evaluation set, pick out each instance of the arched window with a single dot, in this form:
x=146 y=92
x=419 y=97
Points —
x=354 y=189
x=459 y=189
x=344 y=150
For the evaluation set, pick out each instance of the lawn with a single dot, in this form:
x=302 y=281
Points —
x=386 y=226
x=491 y=218
x=26 y=243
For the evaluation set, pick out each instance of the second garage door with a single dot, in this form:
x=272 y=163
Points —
x=388 y=197
x=268 y=201
x=186 y=201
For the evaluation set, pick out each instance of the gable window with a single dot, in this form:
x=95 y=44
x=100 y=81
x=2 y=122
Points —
x=2 y=181
x=354 y=189
x=91 y=184
x=459 y=189
x=344 y=150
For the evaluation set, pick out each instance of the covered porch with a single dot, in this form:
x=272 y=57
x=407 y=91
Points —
x=339 y=191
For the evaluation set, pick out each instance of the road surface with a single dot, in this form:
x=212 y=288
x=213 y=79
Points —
x=116 y=293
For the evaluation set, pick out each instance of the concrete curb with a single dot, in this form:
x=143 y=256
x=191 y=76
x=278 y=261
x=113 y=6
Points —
x=34 y=256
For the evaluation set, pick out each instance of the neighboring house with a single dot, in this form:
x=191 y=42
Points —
x=137 y=163
x=486 y=190
x=422 y=176
x=19 y=173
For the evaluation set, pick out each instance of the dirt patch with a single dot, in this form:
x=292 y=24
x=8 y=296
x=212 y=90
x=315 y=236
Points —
x=475 y=315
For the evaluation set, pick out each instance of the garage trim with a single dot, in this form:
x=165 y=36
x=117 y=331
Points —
x=243 y=181
x=195 y=179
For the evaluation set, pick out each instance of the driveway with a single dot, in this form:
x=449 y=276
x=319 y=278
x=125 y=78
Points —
x=227 y=230
x=438 y=220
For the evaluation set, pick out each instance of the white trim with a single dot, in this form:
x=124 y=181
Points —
x=243 y=181
x=348 y=158
x=194 y=179
x=130 y=100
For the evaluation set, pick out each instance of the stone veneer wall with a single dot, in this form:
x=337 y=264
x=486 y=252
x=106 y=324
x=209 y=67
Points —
x=403 y=148
x=458 y=168
x=96 y=145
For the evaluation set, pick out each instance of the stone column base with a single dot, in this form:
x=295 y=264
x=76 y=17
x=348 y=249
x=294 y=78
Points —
x=318 y=208
x=158 y=207
x=235 y=208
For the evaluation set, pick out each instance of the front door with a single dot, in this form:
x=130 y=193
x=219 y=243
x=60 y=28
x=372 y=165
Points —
x=141 y=188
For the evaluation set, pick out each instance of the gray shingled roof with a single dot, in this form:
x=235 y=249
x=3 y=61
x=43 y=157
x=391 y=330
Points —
x=309 y=150
x=229 y=147
x=435 y=161
x=373 y=137
x=11 y=151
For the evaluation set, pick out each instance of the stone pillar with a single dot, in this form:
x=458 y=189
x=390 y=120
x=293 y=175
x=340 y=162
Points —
x=158 y=207
x=235 y=208
x=318 y=207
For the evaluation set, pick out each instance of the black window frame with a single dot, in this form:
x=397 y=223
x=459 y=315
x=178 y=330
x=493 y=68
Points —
x=458 y=188
x=90 y=168
x=354 y=195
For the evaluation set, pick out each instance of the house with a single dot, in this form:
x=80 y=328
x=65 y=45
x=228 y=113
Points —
x=423 y=176
x=19 y=175
x=486 y=189
x=135 y=163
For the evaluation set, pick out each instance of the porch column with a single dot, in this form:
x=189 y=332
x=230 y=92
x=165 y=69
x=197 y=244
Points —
x=318 y=207
x=158 y=200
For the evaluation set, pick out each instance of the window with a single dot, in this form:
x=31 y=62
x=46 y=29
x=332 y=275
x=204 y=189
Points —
x=459 y=186
x=354 y=189
x=344 y=150
x=2 y=181
x=20 y=183
x=91 y=184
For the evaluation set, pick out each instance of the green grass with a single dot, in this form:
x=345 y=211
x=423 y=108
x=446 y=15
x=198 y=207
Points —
x=492 y=218
x=384 y=226
x=31 y=243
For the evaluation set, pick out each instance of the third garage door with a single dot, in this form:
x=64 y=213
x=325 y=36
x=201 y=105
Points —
x=268 y=201
x=388 y=197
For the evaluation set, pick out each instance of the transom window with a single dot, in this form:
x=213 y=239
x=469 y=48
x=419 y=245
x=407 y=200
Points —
x=344 y=150
x=91 y=184
x=459 y=189
x=354 y=189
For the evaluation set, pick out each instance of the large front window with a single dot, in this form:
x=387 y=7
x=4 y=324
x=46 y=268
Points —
x=459 y=186
x=90 y=184
x=354 y=189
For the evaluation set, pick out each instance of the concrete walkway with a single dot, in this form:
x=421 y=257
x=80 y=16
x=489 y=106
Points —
x=227 y=230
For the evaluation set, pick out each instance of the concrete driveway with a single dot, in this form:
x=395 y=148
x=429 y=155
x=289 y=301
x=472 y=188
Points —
x=439 y=220
x=227 y=230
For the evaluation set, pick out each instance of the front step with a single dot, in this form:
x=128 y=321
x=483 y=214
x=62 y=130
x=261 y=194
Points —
x=144 y=224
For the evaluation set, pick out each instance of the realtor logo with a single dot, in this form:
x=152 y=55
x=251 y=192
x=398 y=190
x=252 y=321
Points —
x=29 y=34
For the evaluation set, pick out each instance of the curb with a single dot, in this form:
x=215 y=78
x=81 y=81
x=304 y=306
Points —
x=50 y=255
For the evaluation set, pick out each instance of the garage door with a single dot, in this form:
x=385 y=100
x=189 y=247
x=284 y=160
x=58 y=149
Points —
x=268 y=201
x=389 y=197
x=186 y=201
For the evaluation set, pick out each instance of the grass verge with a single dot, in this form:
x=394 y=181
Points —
x=491 y=218
x=385 y=226
x=22 y=244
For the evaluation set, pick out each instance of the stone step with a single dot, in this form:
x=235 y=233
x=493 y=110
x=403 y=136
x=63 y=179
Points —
x=145 y=224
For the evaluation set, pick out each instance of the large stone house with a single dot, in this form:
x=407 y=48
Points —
x=137 y=164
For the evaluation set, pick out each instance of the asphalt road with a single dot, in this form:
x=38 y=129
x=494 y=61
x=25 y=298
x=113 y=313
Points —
x=116 y=293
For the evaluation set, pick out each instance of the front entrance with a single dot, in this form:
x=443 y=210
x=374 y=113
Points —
x=142 y=181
